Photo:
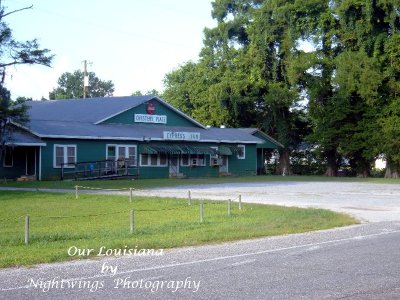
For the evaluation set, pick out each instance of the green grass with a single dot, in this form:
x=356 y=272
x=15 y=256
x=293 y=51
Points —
x=165 y=182
x=59 y=221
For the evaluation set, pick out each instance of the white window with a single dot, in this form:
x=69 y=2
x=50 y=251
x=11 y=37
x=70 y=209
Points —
x=241 y=152
x=185 y=160
x=122 y=153
x=64 y=155
x=214 y=158
x=197 y=160
x=193 y=160
x=8 y=158
x=153 y=160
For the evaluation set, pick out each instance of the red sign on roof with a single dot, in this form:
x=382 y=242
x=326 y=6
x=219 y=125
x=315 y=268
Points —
x=151 y=108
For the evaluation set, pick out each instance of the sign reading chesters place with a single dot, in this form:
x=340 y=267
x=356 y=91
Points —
x=150 y=117
x=143 y=118
x=181 y=136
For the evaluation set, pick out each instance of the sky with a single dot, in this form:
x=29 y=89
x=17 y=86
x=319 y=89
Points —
x=133 y=43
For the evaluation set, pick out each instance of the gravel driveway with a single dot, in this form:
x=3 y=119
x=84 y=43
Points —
x=366 y=201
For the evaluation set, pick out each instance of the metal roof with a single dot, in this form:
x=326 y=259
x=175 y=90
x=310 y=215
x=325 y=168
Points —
x=82 y=119
x=20 y=138
x=82 y=110
x=82 y=130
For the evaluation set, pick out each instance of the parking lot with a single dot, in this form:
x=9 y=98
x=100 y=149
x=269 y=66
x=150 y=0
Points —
x=368 y=202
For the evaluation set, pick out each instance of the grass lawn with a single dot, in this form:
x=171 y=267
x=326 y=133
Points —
x=151 y=183
x=59 y=221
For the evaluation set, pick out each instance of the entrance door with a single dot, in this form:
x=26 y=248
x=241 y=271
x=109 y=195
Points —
x=30 y=161
x=223 y=167
x=173 y=165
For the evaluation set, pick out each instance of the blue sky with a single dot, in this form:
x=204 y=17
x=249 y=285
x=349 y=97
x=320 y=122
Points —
x=134 y=43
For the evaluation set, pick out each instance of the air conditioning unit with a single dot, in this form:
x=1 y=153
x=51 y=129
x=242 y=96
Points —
x=194 y=162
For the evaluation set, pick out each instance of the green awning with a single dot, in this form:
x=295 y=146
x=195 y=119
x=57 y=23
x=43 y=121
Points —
x=176 y=149
x=228 y=150
x=234 y=149
x=160 y=149
x=224 y=150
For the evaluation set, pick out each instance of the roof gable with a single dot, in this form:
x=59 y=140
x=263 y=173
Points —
x=153 y=112
x=269 y=142
x=97 y=110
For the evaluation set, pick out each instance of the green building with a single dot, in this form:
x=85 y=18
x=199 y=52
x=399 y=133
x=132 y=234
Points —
x=141 y=136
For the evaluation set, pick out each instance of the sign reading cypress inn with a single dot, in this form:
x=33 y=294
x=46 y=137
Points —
x=181 y=136
x=144 y=118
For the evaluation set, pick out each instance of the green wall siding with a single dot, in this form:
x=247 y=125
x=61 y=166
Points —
x=86 y=150
x=19 y=163
x=247 y=166
x=93 y=150
x=173 y=118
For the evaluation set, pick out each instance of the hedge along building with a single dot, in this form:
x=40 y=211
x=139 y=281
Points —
x=140 y=136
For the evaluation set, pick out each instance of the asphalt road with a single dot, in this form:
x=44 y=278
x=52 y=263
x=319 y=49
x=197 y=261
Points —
x=357 y=262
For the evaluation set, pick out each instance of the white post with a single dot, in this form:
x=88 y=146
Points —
x=132 y=220
x=130 y=194
x=76 y=192
x=240 y=202
x=201 y=212
x=27 y=230
x=189 y=198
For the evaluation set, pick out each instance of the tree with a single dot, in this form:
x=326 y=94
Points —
x=153 y=92
x=70 y=86
x=368 y=73
x=243 y=77
x=12 y=53
x=253 y=72
x=22 y=100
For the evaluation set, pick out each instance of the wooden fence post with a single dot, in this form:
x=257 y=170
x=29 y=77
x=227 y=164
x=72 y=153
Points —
x=27 y=230
x=189 y=198
x=130 y=194
x=240 y=202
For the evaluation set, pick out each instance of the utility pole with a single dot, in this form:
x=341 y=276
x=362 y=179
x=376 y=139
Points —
x=85 y=78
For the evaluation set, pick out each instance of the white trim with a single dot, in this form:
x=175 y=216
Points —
x=65 y=155
x=35 y=163
x=40 y=163
x=244 y=152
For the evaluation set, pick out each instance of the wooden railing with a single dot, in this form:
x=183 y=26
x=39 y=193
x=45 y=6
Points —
x=99 y=169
